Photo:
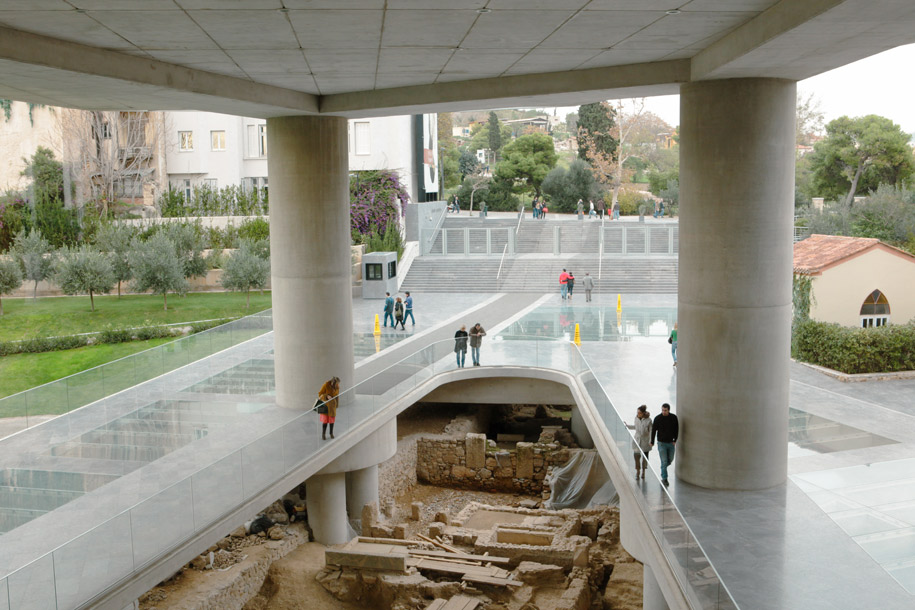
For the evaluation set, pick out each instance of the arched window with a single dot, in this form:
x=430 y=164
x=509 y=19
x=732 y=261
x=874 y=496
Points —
x=875 y=311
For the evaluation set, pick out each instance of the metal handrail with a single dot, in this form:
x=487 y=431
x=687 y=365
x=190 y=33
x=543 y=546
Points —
x=520 y=218
x=504 y=250
x=600 y=249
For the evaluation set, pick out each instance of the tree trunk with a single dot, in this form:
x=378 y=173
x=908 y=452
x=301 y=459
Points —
x=471 y=201
x=91 y=300
x=247 y=299
x=119 y=289
x=35 y=291
x=165 y=299
x=1 y=305
x=854 y=186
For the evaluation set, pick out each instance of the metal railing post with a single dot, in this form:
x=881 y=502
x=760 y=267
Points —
x=466 y=240
x=444 y=242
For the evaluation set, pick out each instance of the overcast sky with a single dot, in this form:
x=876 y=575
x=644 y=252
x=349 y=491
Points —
x=880 y=84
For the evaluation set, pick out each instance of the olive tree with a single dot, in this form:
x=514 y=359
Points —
x=10 y=278
x=115 y=240
x=34 y=254
x=157 y=267
x=245 y=270
x=84 y=270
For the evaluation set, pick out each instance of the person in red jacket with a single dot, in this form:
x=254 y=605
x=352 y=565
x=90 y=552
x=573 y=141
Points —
x=564 y=283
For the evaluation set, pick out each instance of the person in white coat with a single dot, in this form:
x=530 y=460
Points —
x=642 y=444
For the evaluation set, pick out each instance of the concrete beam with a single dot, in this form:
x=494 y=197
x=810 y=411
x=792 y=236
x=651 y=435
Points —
x=594 y=84
x=67 y=59
x=769 y=25
x=493 y=390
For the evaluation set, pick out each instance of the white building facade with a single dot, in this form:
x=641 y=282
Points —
x=219 y=150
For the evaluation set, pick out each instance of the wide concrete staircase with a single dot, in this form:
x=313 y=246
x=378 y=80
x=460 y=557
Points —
x=540 y=274
x=535 y=268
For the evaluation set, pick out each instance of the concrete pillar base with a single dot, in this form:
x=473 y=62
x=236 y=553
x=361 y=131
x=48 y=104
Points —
x=326 y=501
x=361 y=488
x=652 y=598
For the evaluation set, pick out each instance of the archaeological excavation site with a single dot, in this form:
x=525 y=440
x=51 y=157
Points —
x=491 y=507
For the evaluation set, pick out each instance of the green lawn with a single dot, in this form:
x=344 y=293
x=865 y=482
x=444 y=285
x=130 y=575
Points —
x=23 y=371
x=54 y=316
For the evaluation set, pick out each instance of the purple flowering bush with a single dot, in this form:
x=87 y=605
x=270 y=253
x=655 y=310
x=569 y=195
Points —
x=376 y=198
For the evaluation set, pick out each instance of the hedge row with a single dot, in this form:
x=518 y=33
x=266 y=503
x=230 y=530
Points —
x=53 y=344
x=855 y=350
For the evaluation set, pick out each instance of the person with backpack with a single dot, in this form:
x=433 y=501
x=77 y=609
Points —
x=571 y=283
x=326 y=405
x=408 y=309
x=398 y=314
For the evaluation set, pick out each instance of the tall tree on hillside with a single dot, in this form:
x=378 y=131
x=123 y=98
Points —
x=858 y=154
x=528 y=159
x=495 y=134
x=595 y=136
x=809 y=118
x=448 y=153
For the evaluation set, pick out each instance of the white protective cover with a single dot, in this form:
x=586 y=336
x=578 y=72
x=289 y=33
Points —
x=582 y=482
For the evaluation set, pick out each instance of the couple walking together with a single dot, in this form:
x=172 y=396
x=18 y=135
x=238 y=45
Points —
x=665 y=429
x=460 y=344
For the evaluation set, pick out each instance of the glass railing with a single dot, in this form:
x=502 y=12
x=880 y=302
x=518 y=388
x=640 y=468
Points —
x=80 y=570
x=692 y=567
x=80 y=389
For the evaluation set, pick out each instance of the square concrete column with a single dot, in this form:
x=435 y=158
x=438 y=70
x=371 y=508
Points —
x=737 y=142
x=310 y=256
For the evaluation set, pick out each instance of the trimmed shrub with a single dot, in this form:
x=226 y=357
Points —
x=850 y=350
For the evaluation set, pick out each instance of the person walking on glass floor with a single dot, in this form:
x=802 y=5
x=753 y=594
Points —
x=666 y=428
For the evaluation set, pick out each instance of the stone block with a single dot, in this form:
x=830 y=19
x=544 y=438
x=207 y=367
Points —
x=416 y=511
x=525 y=457
x=528 y=503
x=442 y=517
x=369 y=518
x=580 y=554
x=511 y=536
x=436 y=529
x=485 y=473
x=624 y=588
x=461 y=472
x=366 y=561
x=382 y=531
x=509 y=438
x=475 y=445
x=400 y=531
x=589 y=527
x=539 y=574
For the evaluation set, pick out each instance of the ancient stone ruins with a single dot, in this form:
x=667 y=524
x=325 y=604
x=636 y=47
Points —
x=492 y=545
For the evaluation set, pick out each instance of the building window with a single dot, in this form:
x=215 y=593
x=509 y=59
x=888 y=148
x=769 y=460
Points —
x=211 y=183
x=106 y=130
x=217 y=140
x=392 y=269
x=187 y=190
x=185 y=141
x=257 y=140
x=875 y=311
x=373 y=271
x=362 y=144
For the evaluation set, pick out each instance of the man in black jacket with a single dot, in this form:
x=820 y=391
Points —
x=667 y=428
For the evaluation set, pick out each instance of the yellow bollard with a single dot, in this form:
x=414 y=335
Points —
x=577 y=336
x=377 y=342
x=377 y=326
x=619 y=303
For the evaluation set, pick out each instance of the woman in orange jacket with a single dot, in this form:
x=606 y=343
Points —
x=328 y=394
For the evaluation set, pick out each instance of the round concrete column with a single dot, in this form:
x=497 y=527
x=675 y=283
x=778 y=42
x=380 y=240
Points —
x=737 y=156
x=325 y=496
x=652 y=597
x=361 y=488
x=310 y=256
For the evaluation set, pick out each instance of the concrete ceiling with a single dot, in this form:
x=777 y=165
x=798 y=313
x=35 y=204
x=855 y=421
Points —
x=372 y=57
